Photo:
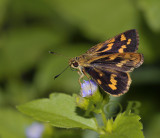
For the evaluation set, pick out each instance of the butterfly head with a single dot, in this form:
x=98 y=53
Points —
x=73 y=62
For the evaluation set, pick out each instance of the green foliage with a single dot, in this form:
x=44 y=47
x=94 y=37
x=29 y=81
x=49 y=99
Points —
x=19 y=44
x=151 y=9
x=3 y=10
x=126 y=125
x=95 y=22
x=153 y=130
x=12 y=124
x=59 y=110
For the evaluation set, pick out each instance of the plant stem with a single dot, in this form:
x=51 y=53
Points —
x=89 y=108
x=104 y=118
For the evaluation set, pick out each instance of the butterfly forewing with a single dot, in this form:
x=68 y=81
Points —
x=113 y=82
x=124 y=42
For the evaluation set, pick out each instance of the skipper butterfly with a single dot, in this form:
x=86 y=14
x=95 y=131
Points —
x=110 y=62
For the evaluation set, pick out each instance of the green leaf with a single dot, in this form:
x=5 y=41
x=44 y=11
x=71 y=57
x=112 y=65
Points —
x=59 y=110
x=151 y=10
x=126 y=125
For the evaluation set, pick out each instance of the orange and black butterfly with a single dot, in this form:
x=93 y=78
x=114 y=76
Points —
x=110 y=62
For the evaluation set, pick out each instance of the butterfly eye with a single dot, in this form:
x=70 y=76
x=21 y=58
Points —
x=75 y=64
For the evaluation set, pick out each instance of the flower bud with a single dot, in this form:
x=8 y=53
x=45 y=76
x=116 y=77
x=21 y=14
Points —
x=88 y=88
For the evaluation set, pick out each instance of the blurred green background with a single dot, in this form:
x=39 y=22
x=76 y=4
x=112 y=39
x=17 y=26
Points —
x=30 y=28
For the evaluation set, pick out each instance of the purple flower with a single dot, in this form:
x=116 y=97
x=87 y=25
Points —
x=88 y=88
x=35 y=130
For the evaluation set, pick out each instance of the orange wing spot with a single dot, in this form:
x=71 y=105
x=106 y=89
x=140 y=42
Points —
x=129 y=41
x=112 y=40
x=100 y=74
x=113 y=87
x=121 y=49
x=123 y=37
x=112 y=57
x=99 y=81
x=121 y=63
x=109 y=47
x=113 y=82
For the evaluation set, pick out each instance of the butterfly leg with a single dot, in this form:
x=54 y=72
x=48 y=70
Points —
x=80 y=72
x=81 y=76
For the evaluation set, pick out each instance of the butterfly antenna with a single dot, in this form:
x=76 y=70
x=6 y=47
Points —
x=54 y=53
x=60 y=73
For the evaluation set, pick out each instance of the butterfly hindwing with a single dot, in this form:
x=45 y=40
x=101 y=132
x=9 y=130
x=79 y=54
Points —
x=113 y=82
x=124 y=42
x=124 y=62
